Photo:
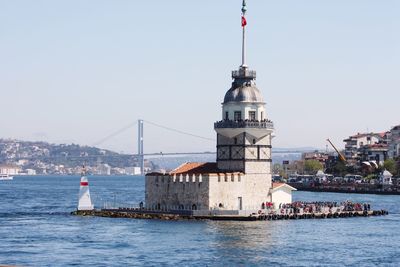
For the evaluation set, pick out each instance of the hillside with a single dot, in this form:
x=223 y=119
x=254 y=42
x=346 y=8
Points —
x=46 y=158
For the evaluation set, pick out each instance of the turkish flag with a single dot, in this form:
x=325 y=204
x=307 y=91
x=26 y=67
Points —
x=244 y=21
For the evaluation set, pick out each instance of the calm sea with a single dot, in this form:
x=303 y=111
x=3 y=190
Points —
x=36 y=229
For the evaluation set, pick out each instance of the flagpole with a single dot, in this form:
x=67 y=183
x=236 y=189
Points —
x=244 y=47
x=244 y=9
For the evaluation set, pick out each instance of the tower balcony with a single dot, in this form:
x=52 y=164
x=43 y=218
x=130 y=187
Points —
x=244 y=73
x=257 y=129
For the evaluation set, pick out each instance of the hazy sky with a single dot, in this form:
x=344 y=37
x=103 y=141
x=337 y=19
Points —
x=76 y=71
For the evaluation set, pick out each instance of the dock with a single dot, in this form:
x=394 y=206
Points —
x=184 y=215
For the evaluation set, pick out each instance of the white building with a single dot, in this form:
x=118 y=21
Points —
x=355 y=142
x=282 y=193
x=241 y=177
x=103 y=169
x=385 y=178
x=9 y=169
x=133 y=171
x=30 y=172
x=394 y=142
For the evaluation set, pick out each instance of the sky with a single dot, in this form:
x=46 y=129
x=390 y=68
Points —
x=77 y=71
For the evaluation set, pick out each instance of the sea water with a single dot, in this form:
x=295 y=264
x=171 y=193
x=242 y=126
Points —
x=36 y=229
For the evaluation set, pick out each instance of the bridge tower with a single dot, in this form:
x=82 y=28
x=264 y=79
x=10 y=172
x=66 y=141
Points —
x=140 y=146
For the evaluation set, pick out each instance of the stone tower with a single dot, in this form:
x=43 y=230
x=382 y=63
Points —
x=244 y=133
x=241 y=179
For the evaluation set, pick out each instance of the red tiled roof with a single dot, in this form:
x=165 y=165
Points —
x=275 y=185
x=197 y=168
x=383 y=134
x=194 y=168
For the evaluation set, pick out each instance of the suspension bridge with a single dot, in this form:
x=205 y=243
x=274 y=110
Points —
x=140 y=155
x=140 y=142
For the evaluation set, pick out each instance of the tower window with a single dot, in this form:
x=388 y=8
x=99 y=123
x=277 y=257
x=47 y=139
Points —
x=226 y=115
x=252 y=115
x=254 y=141
x=238 y=115
x=235 y=141
x=262 y=115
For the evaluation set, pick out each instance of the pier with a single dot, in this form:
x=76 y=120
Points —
x=137 y=213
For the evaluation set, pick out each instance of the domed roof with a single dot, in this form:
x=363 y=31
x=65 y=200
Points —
x=244 y=94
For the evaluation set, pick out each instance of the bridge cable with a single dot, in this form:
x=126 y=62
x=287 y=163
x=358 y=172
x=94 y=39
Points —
x=114 y=134
x=179 y=131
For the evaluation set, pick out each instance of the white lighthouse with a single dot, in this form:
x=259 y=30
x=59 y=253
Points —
x=85 y=202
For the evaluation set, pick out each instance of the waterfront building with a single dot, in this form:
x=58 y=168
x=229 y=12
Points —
x=241 y=177
x=385 y=178
x=281 y=193
x=9 y=169
x=373 y=153
x=103 y=169
x=30 y=172
x=394 y=142
x=357 y=141
x=133 y=170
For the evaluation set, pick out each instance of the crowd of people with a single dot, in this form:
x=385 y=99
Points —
x=300 y=207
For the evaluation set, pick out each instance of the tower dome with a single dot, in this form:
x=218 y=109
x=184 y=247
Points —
x=243 y=94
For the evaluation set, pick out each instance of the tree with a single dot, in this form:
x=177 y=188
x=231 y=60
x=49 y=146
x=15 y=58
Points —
x=391 y=166
x=339 y=169
x=312 y=166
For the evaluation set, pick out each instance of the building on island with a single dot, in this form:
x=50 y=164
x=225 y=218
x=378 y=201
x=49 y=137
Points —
x=241 y=177
x=281 y=193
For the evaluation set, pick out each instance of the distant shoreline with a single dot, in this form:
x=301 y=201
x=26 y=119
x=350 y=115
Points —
x=343 y=189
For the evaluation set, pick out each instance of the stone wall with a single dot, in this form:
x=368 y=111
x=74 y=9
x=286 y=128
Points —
x=177 y=191
x=214 y=191
x=225 y=191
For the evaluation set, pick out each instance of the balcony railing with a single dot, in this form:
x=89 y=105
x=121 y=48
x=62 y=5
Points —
x=244 y=73
x=244 y=124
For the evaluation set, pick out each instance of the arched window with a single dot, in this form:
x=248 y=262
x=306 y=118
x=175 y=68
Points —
x=194 y=207
x=221 y=205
